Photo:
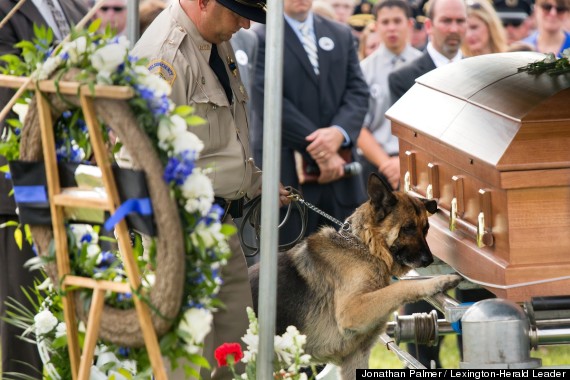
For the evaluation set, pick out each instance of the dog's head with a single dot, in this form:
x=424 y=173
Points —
x=402 y=221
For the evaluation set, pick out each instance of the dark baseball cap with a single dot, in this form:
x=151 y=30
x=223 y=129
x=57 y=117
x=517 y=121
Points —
x=513 y=11
x=254 y=10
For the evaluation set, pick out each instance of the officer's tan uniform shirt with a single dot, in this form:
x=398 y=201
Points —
x=178 y=53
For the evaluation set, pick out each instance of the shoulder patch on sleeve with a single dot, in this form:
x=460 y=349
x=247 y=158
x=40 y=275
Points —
x=163 y=69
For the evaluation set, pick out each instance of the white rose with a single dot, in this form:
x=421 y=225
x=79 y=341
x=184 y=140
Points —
x=108 y=58
x=45 y=322
x=198 y=190
x=197 y=323
x=187 y=141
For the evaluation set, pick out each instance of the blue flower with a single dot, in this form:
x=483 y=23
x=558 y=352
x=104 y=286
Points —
x=64 y=56
x=214 y=215
x=121 y=297
x=66 y=114
x=179 y=168
x=87 y=238
x=124 y=351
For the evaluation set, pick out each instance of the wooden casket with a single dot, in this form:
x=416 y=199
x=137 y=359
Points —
x=492 y=145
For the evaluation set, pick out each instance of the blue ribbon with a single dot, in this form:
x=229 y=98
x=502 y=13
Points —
x=140 y=206
x=30 y=194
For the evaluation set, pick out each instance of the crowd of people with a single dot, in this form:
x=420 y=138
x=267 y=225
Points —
x=345 y=63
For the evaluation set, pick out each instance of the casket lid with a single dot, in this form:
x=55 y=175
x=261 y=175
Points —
x=484 y=107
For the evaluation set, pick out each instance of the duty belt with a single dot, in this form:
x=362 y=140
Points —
x=234 y=207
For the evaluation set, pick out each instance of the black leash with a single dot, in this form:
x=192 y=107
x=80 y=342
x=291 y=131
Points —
x=252 y=216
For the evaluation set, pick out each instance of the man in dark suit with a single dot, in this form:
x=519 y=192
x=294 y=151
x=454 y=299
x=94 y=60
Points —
x=324 y=103
x=446 y=26
x=18 y=355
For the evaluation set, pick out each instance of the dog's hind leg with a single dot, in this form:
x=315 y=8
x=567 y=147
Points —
x=356 y=360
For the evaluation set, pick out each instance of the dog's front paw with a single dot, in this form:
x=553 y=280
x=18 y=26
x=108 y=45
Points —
x=444 y=282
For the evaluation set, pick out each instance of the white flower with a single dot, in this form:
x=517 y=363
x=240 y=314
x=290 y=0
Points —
x=150 y=279
x=21 y=110
x=60 y=330
x=197 y=189
x=93 y=250
x=283 y=348
x=84 y=232
x=106 y=357
x=211 y=236
x=45 y=322
x=129 y=365
x=47 y=284
x=187 y=141
x=116 y=376
x=550 y=58
x=153 y=82
x=123 y=41
x=197 y=323
x=108 y=58
x=97 y=374
x=566 y=53
x=169 y=130
x=76 y=49
x=44 y=70
x=104 y=77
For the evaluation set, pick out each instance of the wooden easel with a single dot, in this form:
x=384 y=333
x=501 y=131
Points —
x=81 y=362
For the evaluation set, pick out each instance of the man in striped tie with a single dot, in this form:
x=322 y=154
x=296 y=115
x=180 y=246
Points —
x=325 y=99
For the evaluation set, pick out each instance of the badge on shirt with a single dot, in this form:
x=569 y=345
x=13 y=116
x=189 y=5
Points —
x=326 y=43
x=232 y=65
x=163 y=69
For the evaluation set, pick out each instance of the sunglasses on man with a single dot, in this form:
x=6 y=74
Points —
x=116 y=9
x=548 y=7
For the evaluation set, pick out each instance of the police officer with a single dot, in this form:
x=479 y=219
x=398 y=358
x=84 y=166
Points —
x=187 y=45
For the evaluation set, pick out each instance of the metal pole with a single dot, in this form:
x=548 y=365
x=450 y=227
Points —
x=269 y=203
x=132 y=28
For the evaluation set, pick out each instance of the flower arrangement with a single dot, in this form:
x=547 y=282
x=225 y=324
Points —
x=105 y=59
x=550 y=64
x=289 y=359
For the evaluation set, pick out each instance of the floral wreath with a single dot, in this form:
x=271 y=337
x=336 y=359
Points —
x=104 y=59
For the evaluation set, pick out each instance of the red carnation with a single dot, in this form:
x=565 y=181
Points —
x=221 y=354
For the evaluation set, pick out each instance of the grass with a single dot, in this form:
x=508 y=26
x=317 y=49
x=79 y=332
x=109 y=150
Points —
x=449 y=355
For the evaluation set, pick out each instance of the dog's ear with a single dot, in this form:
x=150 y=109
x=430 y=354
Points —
x=381 y=197
x=430 y=205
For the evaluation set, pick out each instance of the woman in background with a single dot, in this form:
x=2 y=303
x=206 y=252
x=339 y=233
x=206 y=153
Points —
x=485 y=32
x=550 y=36
x=369 y=41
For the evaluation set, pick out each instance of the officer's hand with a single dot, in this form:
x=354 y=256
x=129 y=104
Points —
x=284 y=199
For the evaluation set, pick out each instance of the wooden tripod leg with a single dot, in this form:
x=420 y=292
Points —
x=143 y=312
x=59 y=231
x=92 y=333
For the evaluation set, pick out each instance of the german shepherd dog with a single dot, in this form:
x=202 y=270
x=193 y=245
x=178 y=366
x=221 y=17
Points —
x=336 y=287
